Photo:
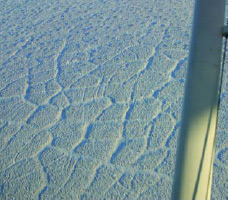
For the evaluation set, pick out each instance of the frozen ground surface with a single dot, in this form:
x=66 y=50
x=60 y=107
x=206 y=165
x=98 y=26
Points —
x=90 y=99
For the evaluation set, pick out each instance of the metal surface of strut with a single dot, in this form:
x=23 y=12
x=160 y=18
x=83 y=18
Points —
x=195 y=154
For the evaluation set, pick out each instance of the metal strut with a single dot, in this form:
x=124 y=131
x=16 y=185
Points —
x=194 y=165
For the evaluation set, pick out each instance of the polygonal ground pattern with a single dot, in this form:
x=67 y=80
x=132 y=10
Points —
x=91 y=98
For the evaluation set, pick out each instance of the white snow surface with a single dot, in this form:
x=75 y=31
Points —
x=91 y=95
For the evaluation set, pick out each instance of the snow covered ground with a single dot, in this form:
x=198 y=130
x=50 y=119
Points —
x=90 y=99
